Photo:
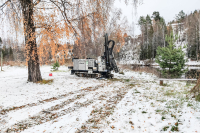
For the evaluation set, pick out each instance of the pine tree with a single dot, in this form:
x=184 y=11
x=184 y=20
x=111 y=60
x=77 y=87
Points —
x=156 y=15
x=171 y=60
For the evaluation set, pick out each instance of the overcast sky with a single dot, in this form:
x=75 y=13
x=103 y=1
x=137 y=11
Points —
x=167 y=8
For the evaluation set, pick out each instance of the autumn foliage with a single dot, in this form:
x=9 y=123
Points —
x=52 y=29
x=50 y=48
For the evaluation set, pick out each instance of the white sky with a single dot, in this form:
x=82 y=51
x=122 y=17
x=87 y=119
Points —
x=167 y=8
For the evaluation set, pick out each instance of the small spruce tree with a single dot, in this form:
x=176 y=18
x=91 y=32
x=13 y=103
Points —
x=55 y=66
x=171 y=60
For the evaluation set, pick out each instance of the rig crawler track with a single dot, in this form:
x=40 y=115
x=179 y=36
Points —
x=91 y=75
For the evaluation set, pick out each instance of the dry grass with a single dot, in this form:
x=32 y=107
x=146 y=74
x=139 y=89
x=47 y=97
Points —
x=137 y=68
x=44 y=81
x=15 y=63
x=66 y=62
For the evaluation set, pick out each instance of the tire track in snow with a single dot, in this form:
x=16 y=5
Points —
x=4 y=111
x=46 y=116
x=76 y=118
x=94 y=123
x=77 y=93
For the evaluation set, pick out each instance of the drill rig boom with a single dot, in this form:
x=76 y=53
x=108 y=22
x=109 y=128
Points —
x=101 y=67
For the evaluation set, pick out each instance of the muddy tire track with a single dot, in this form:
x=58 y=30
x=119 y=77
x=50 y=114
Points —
x=4 y=111
x=47 y=115
x=98 y=115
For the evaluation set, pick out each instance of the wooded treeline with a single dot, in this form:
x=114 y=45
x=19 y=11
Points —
x=84 y=21
x=12 y=52
x=154 y=30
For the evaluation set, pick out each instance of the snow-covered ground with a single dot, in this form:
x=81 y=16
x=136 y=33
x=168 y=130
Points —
x=138 y=62
x=133 y=102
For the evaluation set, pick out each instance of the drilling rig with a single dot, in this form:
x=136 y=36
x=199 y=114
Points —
x=99 y=68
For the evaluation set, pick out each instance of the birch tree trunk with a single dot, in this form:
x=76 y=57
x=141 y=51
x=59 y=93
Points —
x=34 y=74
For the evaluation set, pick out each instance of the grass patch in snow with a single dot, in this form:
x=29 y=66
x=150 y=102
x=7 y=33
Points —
x=189 y=104
x=131 y=111
x=165 y=128
x=131 y=85
x=185 y=92
x=144 y=112
x=188 y=84
x=163 y=118
x=83 y=127
x=169 y=93
x=183 y=98
x=136 y=91
x=164 y=112
x=174 y=128
x=157 y=111
x=165 y=84
x=174 y=104
x=152 y=105
x=114 y=79
x=127 y=80
x=121 y=72
x=162 y=101
x=197 y=98
x=172 y=115
x=44 y=81
x=95 y=127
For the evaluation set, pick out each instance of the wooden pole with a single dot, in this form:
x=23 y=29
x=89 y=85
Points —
x=161 y=82
x=1 y=60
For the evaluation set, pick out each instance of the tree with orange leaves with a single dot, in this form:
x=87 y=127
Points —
x=72 y=12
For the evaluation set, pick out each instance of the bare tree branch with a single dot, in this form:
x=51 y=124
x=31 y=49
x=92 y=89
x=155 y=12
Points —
x=65 y=16
x=4 y=4
x=45 y=8
x=37 y=2
x=67 y=2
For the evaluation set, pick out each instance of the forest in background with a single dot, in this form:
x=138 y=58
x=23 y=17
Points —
x=82 y=37
x=154 y=30
x=65 y=29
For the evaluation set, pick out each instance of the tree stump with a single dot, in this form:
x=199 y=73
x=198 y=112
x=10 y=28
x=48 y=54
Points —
x=161 y=82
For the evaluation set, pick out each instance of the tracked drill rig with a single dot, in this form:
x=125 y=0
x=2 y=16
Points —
x=101 y=67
